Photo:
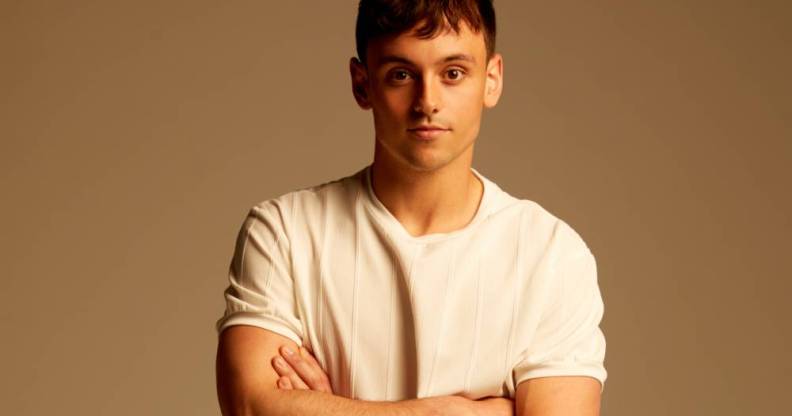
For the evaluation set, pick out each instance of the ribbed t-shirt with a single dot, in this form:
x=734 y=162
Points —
x=391 y=316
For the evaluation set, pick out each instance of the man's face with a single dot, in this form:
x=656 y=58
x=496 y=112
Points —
x=444 y=82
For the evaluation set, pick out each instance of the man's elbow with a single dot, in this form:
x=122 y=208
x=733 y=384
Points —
x=247 y=403
x=240 y=393
x=244 y=374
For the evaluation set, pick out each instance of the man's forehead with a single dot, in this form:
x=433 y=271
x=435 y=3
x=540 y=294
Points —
x=396 y=58
x=444 y=46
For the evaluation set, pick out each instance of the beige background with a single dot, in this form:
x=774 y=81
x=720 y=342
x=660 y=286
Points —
x=134 y=137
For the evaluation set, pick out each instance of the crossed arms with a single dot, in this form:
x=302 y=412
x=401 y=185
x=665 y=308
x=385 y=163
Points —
x=247 y=385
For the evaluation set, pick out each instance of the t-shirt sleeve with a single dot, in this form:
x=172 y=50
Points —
x=568 y=340
x=261 y=289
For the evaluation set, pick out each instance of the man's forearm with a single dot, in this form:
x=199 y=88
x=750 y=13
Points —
x=307 y=402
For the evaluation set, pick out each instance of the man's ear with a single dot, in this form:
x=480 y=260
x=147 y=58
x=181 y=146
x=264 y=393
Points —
x=359 y=76
x=494 y=83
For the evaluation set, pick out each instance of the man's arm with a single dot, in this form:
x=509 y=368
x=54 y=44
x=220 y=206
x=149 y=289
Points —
x=246 y=385
x=558 y=396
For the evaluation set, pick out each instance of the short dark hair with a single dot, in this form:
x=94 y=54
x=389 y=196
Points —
x=378 y=18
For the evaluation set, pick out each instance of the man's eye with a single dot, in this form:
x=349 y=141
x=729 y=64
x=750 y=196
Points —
x=399 y=75
x=455 y=74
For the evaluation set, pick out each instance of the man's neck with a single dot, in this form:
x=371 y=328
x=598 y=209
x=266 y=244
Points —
x=428 y=202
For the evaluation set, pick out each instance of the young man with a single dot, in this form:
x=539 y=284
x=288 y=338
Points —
x=415 y=285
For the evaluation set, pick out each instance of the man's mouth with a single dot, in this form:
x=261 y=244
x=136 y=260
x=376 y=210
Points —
x=427 y=132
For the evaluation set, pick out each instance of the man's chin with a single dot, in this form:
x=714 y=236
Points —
x=425 y=164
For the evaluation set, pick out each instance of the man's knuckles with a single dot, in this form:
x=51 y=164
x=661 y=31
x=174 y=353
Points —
x=302 y=365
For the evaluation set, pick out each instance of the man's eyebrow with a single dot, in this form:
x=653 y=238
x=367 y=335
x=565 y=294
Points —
x=400 y=59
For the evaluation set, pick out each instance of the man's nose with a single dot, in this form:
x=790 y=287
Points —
x=427 y=97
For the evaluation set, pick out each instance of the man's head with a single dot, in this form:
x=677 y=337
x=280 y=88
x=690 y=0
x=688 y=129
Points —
x=426 y=63
x=378 y=18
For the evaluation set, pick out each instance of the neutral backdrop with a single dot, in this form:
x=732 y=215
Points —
x=134 y=137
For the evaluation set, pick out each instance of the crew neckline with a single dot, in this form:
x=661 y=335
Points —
x=385 y=217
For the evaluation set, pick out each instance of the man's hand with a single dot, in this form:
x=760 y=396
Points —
x=300 y=370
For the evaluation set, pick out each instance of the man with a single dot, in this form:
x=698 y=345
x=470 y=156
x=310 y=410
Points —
x=415 y=285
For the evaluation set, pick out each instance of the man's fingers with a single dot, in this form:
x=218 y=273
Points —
x=283 y=369
x=308 y=356
x=311 y=375
x=284 y=383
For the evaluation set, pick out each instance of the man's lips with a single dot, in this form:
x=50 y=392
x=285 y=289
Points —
x=427 y=133
x=428 y=127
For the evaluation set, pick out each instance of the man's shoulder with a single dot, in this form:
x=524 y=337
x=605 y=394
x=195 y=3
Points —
x=538 y=223
x=514 y=208
x=311 y=199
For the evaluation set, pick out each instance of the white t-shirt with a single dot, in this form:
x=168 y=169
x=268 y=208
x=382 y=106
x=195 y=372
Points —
x=390 y=316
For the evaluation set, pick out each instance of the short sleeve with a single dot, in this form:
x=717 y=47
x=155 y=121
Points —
x=568 y=340
x=261 y=289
